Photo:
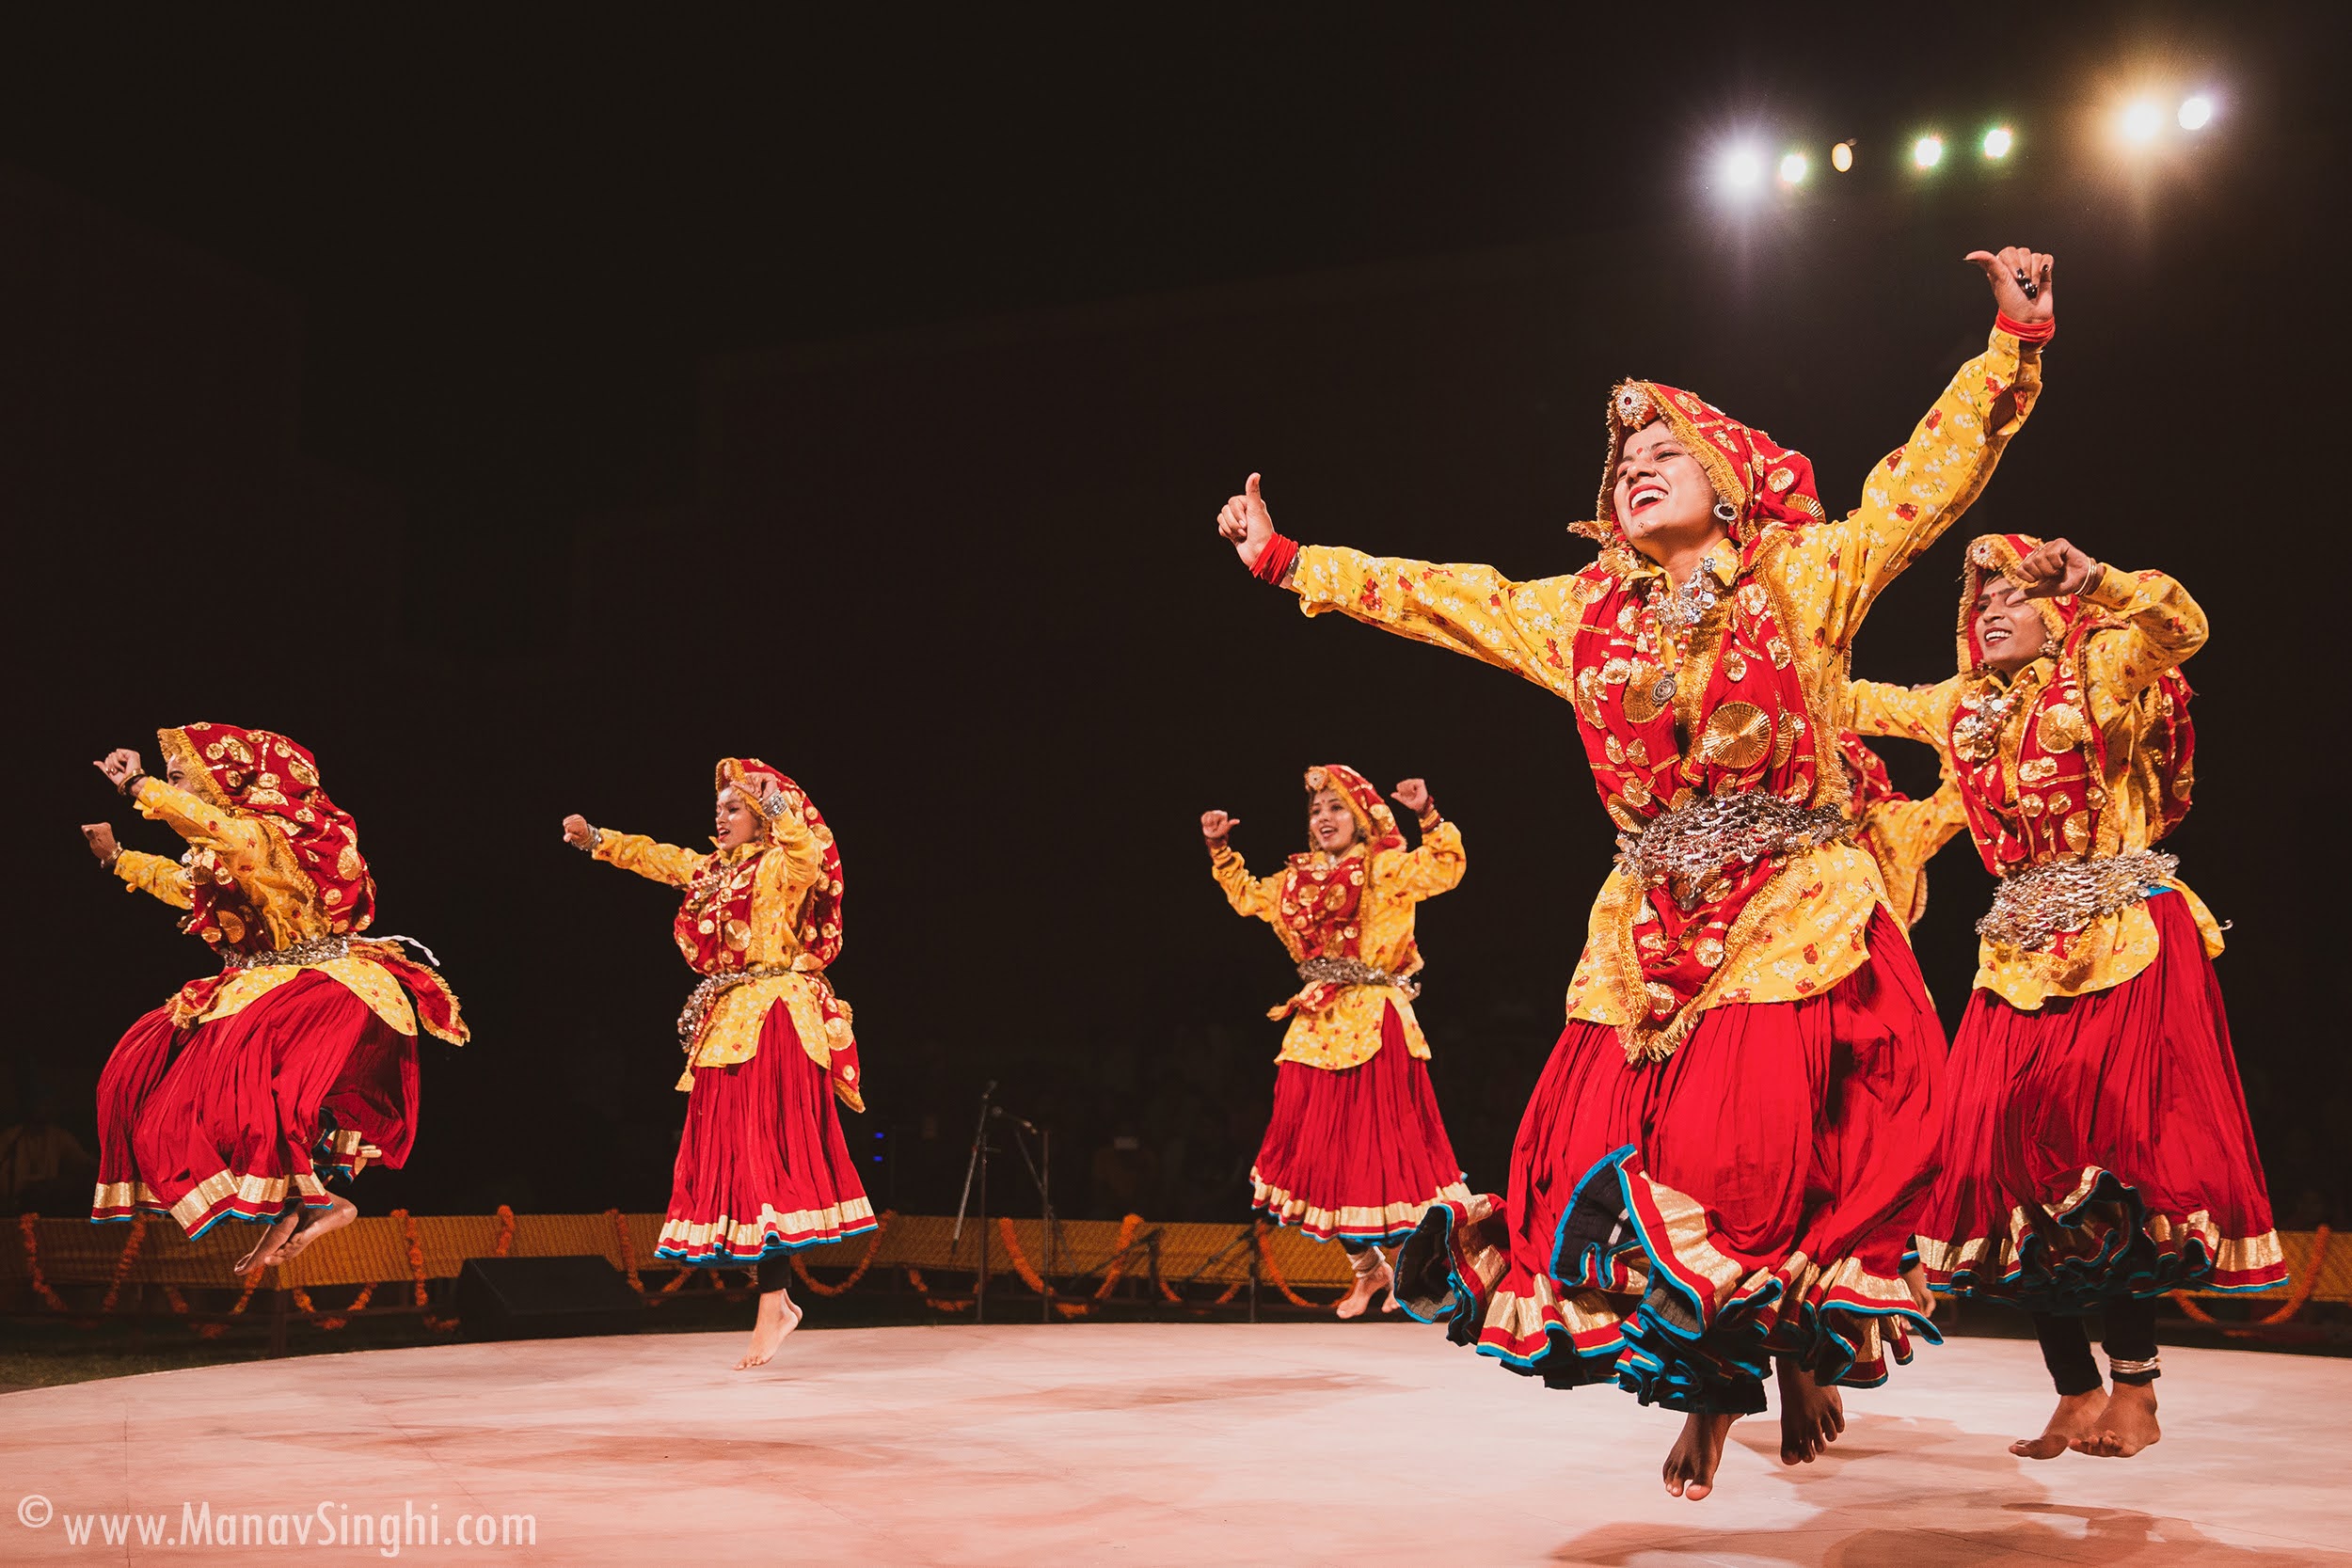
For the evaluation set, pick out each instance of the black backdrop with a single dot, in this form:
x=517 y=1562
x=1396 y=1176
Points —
x=525 y=414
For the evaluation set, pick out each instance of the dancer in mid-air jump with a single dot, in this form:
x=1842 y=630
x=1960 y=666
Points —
x=1355 y=1151
x=240 y=1095
x=762 y=1168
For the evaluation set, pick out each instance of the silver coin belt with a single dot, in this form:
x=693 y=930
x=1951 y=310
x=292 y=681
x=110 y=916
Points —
x=1353 y=972
x=2033 y=905
x=1691 y=844
x=319 y=951
x=705 y=996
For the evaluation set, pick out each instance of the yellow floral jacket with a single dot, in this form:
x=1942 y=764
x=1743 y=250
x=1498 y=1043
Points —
x=1799 y=596
x=2156 y=626
x=253 y=853
x=783 y=872
x=1339 y=1026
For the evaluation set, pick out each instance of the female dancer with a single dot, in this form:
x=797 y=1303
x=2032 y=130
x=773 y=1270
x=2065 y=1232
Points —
x=300 y=1055
x=762 y=1170
x=1725 y=1153
x=1356 y=1149
x=2096 y=1147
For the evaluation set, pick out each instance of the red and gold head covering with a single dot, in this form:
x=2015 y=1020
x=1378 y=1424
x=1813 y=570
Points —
x=1992 y=554
x=1374 y=822
x=258 y=773
x=2060 y=741
x=1766 y=482
x=820 y=928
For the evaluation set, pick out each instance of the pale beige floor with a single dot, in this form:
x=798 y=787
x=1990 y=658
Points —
x=1201 y=1446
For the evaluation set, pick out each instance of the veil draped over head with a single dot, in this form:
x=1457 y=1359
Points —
x=1765 y=481
x=258 y=773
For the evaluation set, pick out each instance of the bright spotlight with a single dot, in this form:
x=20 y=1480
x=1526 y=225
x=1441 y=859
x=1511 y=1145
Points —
x=1841 y=156
x=1742 y=168
x=2196 y=113
x=1792 y=169
x=2141 y=122
x=1928 y=151
x=1998 y=142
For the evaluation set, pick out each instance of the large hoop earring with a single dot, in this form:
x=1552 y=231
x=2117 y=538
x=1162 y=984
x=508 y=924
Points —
x=1726 y=513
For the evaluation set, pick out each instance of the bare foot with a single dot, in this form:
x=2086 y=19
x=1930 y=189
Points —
x=1811 y=1417
x=777 y=1318
x=1691 y=1462
x=275 y=1237
x=2074 y=1418
x=1359 y=1298
x=2127 y=1425
x=340 y=1212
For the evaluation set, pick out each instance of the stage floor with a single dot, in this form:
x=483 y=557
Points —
x=1203 y=1445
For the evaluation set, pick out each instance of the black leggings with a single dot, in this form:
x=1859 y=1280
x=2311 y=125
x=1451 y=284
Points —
x=776 y=1272
x=2131 y=1335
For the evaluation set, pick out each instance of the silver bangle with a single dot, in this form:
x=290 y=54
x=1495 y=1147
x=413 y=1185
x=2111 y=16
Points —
x=595 y=840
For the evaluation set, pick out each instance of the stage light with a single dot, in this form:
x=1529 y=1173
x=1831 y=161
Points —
x=1998 y=142
x=1792 y=169
x=1928 y=151
x=1742 y=168
x=2196 y=113
x=2141 y=122
x=1841 y=156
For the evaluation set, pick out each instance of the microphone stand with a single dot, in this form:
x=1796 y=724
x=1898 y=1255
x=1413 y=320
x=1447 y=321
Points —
x=976 y=1166
x=1040 y=1172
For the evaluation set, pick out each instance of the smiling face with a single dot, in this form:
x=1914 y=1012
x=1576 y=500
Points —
x=1661 y=494
x=1330 y=826
x=734 y=821
x=2009 y=632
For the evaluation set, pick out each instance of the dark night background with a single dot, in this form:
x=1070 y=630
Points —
x=523 y=410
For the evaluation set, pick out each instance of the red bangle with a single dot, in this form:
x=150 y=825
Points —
x=2038 y=332
x=1275 y=559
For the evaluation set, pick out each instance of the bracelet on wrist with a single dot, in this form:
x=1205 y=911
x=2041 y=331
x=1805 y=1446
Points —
x=1276 y=560
x=131 y=782
x=1431 y=818
x=2025 y=332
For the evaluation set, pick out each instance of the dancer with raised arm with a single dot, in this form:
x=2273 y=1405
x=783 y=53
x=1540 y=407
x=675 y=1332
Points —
x=239 y=1096
x=1723 y=1156
x=1356 y=1149
x=762 y=1168
x=2096 y=1149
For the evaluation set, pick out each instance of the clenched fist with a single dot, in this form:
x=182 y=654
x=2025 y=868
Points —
x=2052 y=569
x=1215 y=827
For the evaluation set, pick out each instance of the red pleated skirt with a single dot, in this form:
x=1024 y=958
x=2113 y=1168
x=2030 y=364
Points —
x=1671 y=1225
x=762 y=1166
x=2099 y=1146
x=240 y=1116
x=1356 y=1152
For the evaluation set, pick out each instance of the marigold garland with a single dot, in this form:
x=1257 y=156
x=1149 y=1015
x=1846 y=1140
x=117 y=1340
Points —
x=915 y=1277
x=873 y=1243
x=1273 y=1272
x=1028 y=1274
x=122 y=1265
x=215 y=1330
x=628 y=1250
x=28 y=1225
